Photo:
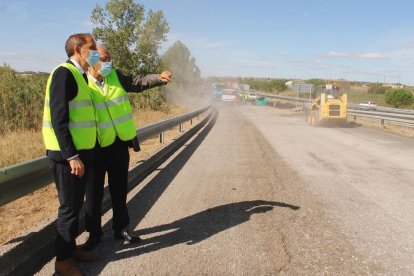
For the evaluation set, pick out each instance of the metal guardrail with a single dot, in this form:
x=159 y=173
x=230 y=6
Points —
x=384 y=109
x=21 y=179
x=384 y=117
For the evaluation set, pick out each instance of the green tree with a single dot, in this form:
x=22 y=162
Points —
x=153 y=34
x=186 y=73
x=133 y=40
x=278 y=85
x=398 y=97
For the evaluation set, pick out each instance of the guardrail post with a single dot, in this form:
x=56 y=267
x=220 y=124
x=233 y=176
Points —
x=181 y=128
x=382 y=123
x=191 y=122
x=162 y=138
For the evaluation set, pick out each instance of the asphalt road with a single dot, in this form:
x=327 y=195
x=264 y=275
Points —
x=259 y=192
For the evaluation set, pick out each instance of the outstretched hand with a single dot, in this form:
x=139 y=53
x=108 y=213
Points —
x=165 y=76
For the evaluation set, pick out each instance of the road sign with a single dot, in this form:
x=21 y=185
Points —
x=303 y=88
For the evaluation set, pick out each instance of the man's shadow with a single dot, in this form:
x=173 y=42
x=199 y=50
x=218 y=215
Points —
x=199 y=227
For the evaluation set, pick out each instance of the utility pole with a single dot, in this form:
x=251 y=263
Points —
x=297 y=96
x=310 y=92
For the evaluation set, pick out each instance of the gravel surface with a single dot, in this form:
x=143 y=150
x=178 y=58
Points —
x=363 y=176
x=261 y=193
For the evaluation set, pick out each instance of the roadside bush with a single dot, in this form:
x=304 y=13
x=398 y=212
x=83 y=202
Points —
x=399 y=97
x=21 y=100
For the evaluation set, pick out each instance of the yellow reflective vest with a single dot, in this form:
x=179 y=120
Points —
x=113 y=111
x=82 y=123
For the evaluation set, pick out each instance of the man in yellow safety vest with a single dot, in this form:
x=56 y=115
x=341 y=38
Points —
x=116 y=131
x=69 y=133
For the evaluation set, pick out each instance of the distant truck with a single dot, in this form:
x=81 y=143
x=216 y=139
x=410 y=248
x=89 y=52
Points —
x=217 y=90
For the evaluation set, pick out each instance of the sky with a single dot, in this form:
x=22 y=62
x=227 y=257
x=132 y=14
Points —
x=362 y=40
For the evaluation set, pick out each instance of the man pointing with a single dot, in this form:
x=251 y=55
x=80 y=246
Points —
x=116 y=132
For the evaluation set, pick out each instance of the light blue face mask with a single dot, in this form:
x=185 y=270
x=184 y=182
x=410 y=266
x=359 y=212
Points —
x=106 y=68
x=93 y=58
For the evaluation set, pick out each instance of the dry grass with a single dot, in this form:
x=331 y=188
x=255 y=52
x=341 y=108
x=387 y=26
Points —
x=400 y=130
x=24 y=213
x=21 y=145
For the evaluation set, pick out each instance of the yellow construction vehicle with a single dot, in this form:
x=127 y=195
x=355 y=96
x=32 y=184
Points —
x=328 y=107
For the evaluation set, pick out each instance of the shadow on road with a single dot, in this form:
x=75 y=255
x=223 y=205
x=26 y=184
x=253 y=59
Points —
x=191 y=230
x=203 y=225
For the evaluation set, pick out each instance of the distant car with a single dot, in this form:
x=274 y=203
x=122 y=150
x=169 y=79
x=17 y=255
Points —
x=228 y=98
x=252 y=96
x=367 y=106
x=229 y=95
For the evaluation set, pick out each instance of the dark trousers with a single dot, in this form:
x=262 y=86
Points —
x=114 y=160
x=71 y=191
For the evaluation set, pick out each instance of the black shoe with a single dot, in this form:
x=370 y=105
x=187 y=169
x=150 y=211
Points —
x=91 y=243
x=127 y=235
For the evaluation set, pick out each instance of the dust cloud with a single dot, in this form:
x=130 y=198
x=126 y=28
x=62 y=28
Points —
x=193 y=96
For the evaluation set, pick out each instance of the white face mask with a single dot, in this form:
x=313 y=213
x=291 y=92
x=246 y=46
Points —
x=106 y=68
x=93 y=58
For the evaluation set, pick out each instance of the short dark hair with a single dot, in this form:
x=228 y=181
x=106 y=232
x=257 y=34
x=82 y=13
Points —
x=76 y=40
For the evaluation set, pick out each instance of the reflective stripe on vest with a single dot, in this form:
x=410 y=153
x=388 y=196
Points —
x=109 y=103
x=116 y=121
x=73 y=124
x=82 y=123
x=73 y=105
